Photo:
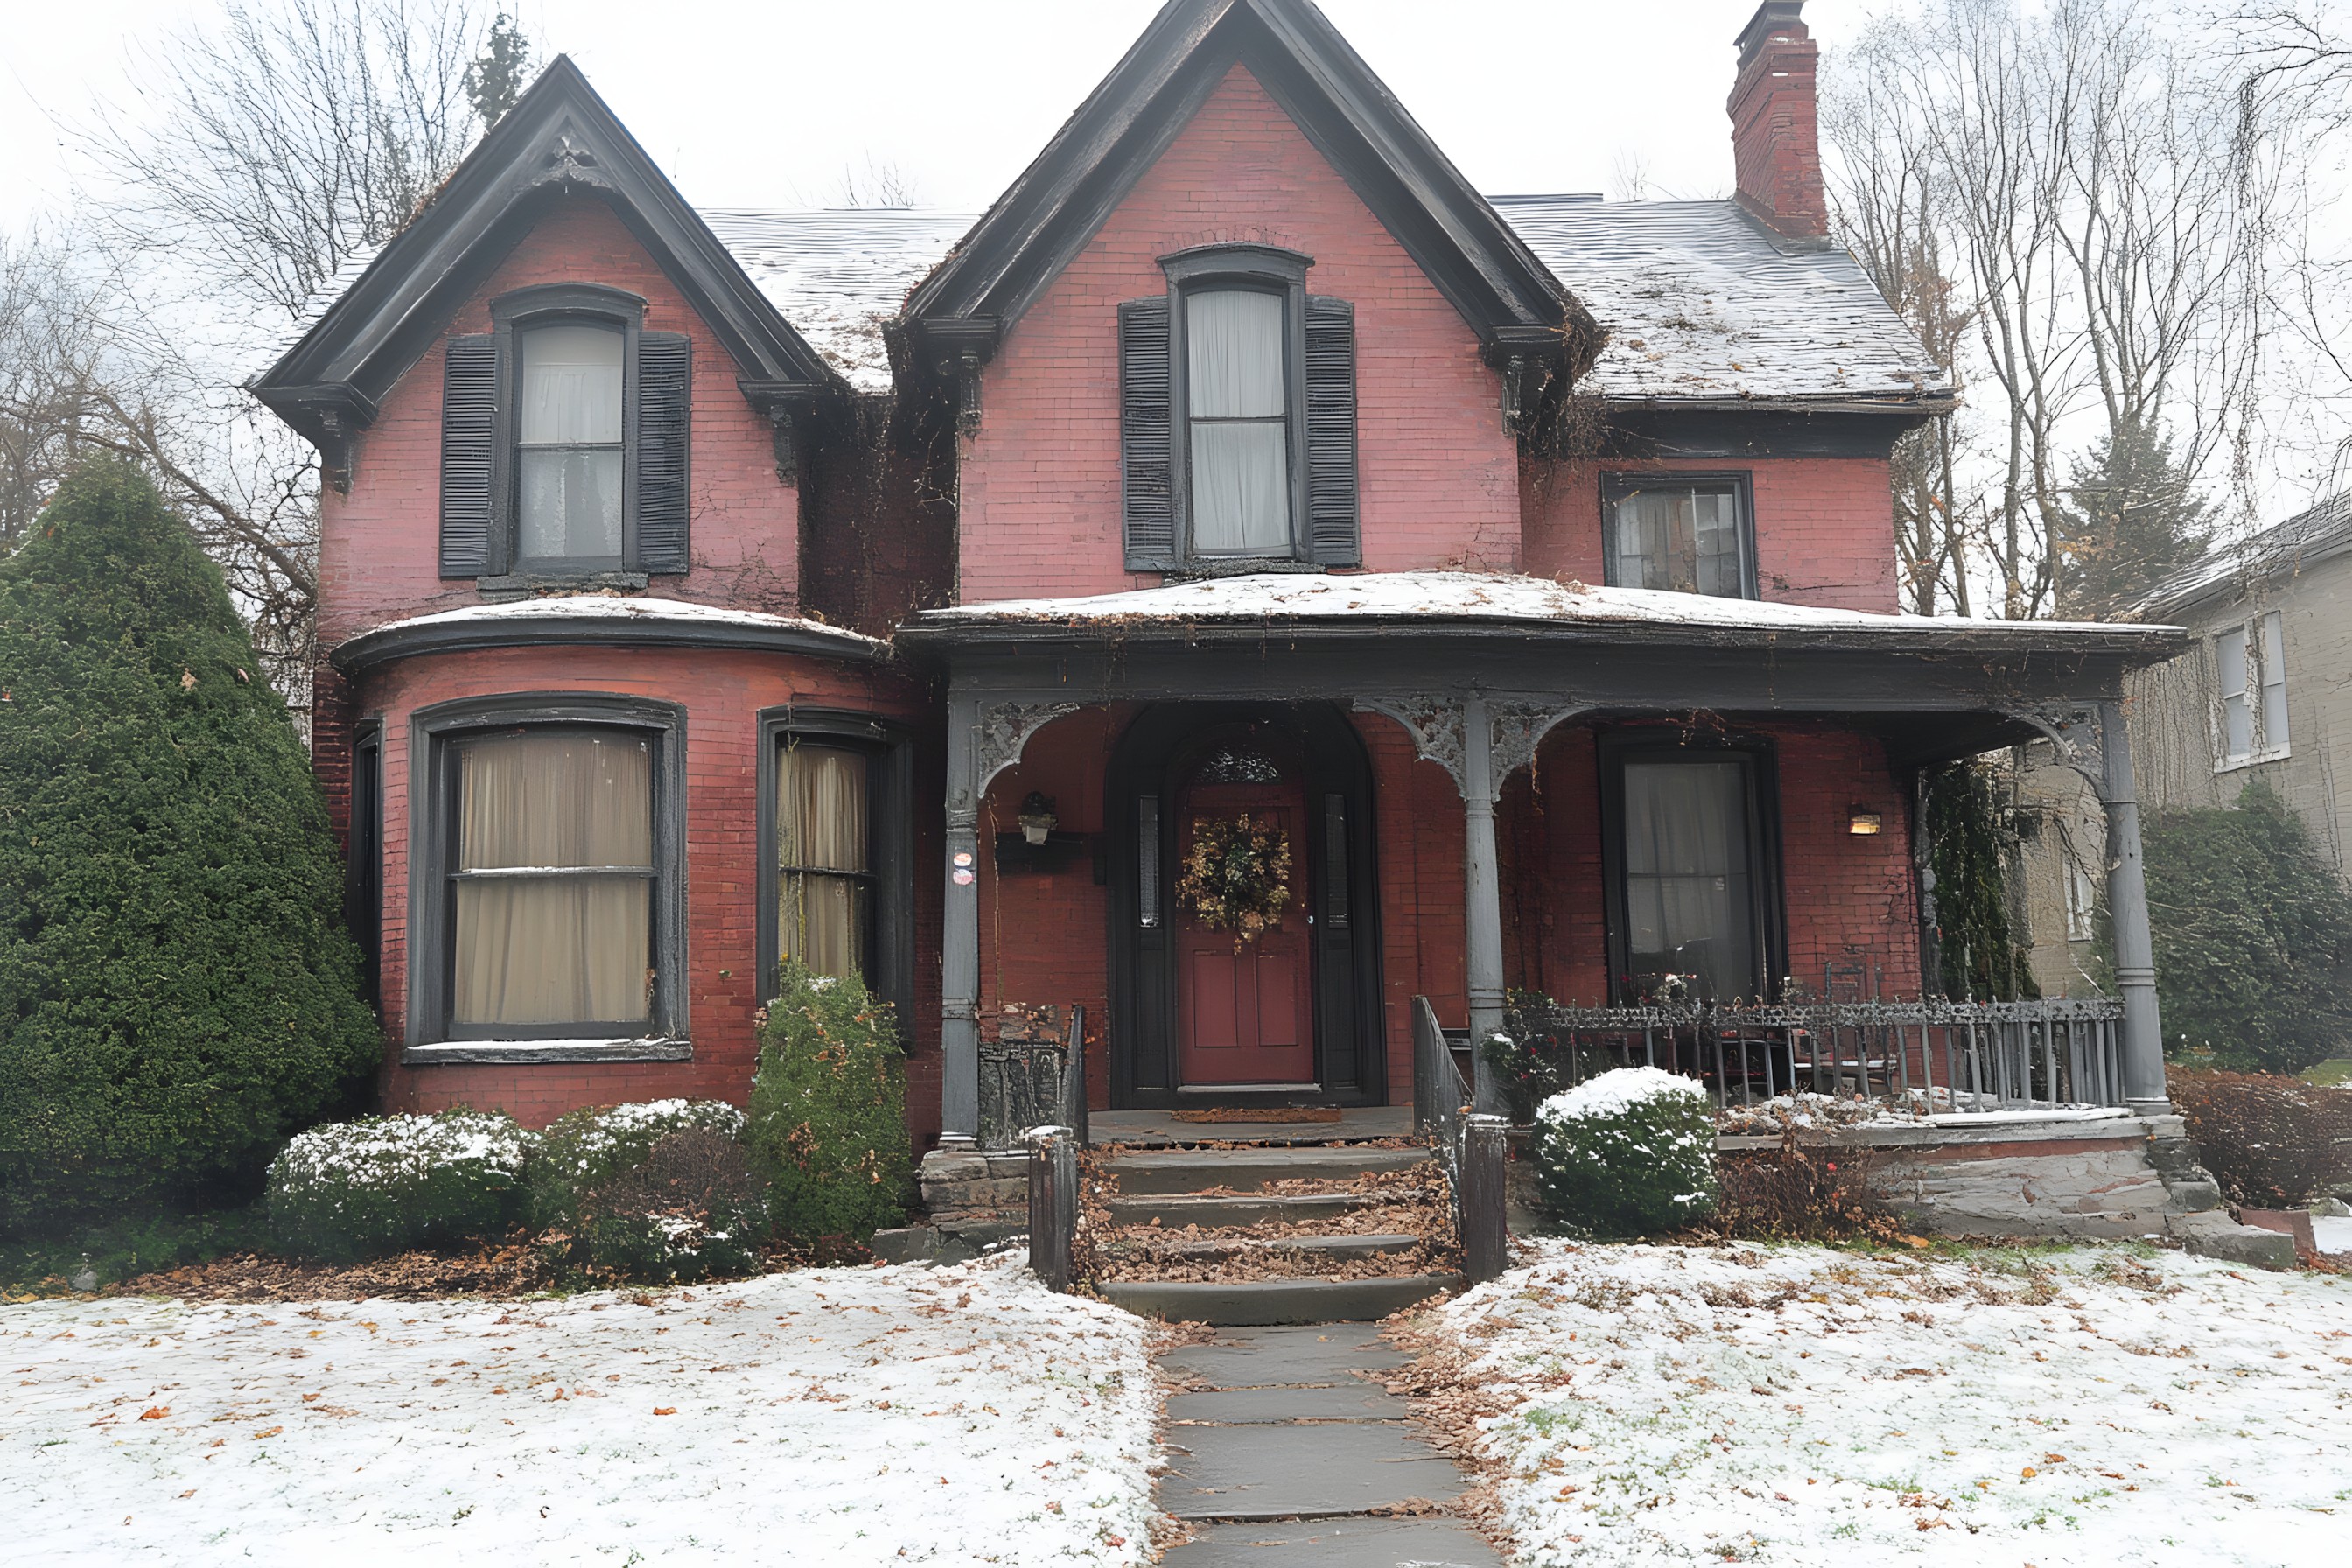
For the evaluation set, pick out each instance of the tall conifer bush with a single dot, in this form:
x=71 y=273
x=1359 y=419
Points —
x=177 y=992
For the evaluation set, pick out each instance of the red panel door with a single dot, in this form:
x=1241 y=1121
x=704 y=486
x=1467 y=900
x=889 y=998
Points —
x=1246 y=1018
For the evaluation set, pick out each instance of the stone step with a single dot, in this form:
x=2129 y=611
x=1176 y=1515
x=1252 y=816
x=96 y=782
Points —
x=1256 y=1301
x=1177 y=1210
x=1140 y=1171
x=1335 y=1247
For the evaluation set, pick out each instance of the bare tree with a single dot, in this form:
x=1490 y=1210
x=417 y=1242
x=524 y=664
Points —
x=878 y=184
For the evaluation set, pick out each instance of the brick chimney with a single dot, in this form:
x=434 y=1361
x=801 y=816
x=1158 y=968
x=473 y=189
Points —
x=1776 y=145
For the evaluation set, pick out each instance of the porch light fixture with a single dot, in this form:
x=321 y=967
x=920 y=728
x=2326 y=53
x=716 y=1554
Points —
x=1863 y=823
x=1037 y=818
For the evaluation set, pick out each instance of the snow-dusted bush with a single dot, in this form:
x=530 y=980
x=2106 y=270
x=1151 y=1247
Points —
x=384 y=1184
x=661 y=1190
x=590 y=1146
x=1630 y=1152
x=829 y=1108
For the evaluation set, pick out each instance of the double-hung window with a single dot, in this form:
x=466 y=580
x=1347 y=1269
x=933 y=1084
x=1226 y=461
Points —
x=1237 y=389
x=2250 y=665
x=1680 y=532
x=1689 y=860
x=836 y=794
x=569 y=445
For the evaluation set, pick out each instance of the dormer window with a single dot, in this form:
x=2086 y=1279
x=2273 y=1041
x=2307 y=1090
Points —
x=568 y=446
x=1237 y=412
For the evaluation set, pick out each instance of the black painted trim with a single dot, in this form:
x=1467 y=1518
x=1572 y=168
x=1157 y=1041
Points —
x=1616 y=484
x=431 y=805
x=1731 y=429
x=363 y=853
x=888 y=746
x=410 y=639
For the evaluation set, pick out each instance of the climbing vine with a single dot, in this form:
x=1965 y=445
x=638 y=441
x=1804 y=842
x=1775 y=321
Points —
x=1972 y=830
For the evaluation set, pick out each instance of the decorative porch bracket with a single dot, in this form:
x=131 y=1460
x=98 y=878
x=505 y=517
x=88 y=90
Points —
x=1481 y=741
x=2091 y=738
x=983 y=740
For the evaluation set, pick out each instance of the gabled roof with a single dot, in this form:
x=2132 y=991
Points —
x=2305 y=539
x=1470 y=254
x=560 y=137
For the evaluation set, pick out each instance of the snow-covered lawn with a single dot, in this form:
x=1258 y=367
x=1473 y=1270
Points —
x=1799 y=1406
x=838 y=1416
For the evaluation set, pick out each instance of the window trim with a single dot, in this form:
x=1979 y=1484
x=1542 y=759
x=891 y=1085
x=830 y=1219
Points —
x=431 y=925
x=1616 y=484
x=512 y=314
x=1266 y=268
x=364 y=853
x=889 y=850
x=1614 y=749
x=2258 y=681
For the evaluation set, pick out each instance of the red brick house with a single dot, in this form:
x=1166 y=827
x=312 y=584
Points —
x=910 y=592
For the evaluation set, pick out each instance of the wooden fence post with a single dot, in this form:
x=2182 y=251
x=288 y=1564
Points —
x=1485 y=1229
x=1053 y=1204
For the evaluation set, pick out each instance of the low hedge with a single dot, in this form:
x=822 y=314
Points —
x=1627 y=1153
x=354 y=1189
x=829 y=1110
x=2270 y=1141
x=660 y=1189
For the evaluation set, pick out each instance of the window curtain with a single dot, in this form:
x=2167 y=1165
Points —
x=569 y=431
x=549 y=941
x=1690 y=904
x=822 y=886
x=1685 y=540
x=1239 y=425
x=2237 y=702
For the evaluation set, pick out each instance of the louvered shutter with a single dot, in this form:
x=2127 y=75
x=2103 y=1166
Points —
x=469 y=400
x=1147 y=451
x=1332 y=536
x=665 y=390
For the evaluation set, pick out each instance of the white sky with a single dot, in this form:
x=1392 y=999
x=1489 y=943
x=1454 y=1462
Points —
x=765 y=104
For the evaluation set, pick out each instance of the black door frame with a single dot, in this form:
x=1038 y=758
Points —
x=1349 y=1038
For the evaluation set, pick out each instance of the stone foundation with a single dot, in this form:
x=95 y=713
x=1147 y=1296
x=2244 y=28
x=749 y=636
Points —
x=969 y=1201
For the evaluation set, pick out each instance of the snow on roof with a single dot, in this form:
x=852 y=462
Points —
x=1701 y=300
x=2305 y=538
x=1457 y=595
x=609 y=606
x=315 y=308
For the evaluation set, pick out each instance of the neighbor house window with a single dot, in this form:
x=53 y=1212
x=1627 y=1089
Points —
x=1238 y=407
x=824 y=866
x=1679 y=534
x=1690 y=866
x=2082 y=899
x=552 y=847
x=2250 y=665
x=568 y=438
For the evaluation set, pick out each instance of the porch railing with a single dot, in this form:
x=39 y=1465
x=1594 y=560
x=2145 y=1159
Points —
x=1943 y=1055
x=1033 y=1083
x=1472 y=1148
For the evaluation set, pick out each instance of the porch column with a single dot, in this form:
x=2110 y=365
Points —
x=1481 y=900
x=2143 y=1042
x=959 y=933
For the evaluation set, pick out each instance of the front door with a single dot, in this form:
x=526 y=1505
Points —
x=1245 y=1009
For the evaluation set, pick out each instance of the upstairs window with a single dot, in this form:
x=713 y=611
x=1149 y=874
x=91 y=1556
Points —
x=2250 y=663
x=565 y=442
x=1680 y=534
x=1237 y=415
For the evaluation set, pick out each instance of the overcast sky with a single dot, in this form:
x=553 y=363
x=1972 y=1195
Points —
x=765 y=104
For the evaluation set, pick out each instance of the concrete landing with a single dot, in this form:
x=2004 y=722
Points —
x=1160 y=1129
x=1292 y=1459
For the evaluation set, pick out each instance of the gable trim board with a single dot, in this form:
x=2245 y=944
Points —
x=1453 y=234
x=560 y=140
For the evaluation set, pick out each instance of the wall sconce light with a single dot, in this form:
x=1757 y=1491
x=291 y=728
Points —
x=1864 y=823
x=1037 y=818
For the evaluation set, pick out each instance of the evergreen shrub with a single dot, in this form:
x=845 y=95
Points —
x=2253 y=936
x=587 y=1148
x=829 y=1110
x=660 y=1190
x=177 y=993
x=1627 y=1153
x=353 y=1190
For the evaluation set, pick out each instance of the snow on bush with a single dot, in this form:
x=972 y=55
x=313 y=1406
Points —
x=660 y=1189
x=361 y=1189
x=829 y=1108
x=1630 y=1152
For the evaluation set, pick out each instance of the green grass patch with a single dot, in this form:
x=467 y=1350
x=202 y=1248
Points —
x=122 y=1249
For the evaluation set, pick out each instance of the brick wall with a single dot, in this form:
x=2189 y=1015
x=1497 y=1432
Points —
x=1825 y=526
x=1040 y=482
x=379 y=546
x=723 y=694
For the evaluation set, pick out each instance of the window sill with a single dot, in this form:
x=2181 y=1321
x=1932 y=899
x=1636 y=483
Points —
x=523 y=584
x=2239 y=764
x=1207 y=568
x=441 y=1053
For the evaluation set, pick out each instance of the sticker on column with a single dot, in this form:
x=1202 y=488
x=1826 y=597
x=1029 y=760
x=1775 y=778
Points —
x=963 y=877
x=963 y=858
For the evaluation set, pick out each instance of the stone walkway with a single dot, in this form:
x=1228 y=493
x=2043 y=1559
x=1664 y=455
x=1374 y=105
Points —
x=1287 y=1458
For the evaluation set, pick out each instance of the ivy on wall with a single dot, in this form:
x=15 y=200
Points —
x=1973 y=834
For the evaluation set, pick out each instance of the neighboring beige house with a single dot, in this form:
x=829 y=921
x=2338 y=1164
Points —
x=2265 y=692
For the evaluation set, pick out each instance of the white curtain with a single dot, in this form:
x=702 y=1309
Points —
x=569 y=433
x=1689 y=907
x=560 y=946
x=1241 y=426
x=1684 y=539
x=820 y=855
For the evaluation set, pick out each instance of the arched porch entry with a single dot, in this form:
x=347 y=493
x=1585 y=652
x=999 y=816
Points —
x=1295 y=1016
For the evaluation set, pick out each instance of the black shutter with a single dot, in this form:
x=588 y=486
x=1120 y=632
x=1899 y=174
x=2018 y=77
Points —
x=1332 y=536
x=1145 y=440
x=665 y=390
x=469 y=401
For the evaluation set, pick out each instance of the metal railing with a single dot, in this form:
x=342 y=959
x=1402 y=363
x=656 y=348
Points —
x=1472 y=1148
x=1944 y=1055
x=1033 y=1083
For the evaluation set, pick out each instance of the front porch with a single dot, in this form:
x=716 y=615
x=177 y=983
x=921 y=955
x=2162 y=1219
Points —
x=1519 y=783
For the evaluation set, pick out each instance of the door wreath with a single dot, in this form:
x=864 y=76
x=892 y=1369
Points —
x=1236 y=877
